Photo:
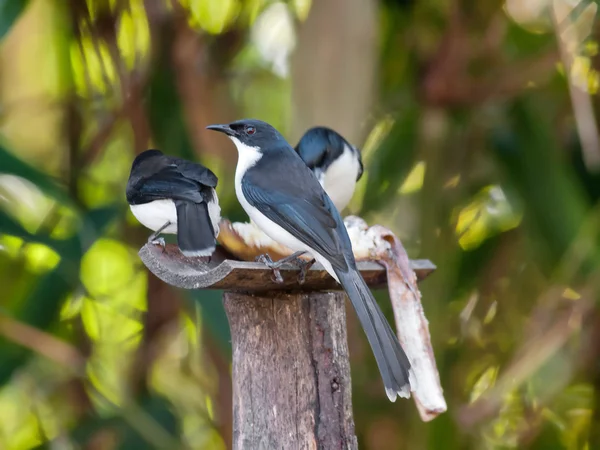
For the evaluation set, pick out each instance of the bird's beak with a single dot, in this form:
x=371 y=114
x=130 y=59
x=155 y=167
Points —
x=223 y=129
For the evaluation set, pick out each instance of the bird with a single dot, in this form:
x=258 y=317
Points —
x=174 y=196
x=336 y=163
x=284 y=198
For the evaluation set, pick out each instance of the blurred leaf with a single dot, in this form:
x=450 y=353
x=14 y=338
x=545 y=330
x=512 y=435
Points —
x=392 y=161
x=10 y=10
x=40 y=309
x=141 y=436
x=554 y=201
x=165 y=111
x=10 y=226
x=213 y=316
x=13 y=165
x=42 y=305
x=152 y=411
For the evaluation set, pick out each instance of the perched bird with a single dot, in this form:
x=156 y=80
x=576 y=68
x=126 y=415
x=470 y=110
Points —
x=286 y=201
x=175 y=196
x=336 y=163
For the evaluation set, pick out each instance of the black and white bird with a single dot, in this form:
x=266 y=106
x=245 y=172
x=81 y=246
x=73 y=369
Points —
x=174 y=196
x=336 y=163
x=286 y=201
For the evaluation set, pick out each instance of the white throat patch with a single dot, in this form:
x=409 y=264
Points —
x=247 y=157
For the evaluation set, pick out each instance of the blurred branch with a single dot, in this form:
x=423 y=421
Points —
x=163 y=310
x=585 y=119
x=204 y=94
x=550 y=327
x=448 y=80
x=223 y=422
x=42 y=343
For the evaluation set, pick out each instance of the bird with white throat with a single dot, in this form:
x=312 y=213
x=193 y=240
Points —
x=284 y=198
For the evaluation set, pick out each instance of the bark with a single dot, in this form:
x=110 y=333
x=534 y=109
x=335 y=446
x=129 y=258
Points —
x=291 y=374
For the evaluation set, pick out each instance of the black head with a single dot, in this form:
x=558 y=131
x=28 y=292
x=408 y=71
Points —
x=251 y=132
x=323 y=138
x=146 y=155
x=320 y=146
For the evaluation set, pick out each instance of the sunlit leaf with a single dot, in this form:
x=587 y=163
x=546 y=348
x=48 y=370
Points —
x=12 y=165
x=213 y=316
x=213 y=17
x=107 y=267
x=414 y=180
x=392 y=161
x=133 y=34
x=40 y=258
x=41 y=306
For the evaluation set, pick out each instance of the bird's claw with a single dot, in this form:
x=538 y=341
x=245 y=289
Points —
x=274 y=266
x=267 y=261
x=303 y=266
x=276 y=277
x=159 y=241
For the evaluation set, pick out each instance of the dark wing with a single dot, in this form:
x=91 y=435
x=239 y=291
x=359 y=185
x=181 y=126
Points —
x=292 y=197
x=196 y=172
x=167 y=183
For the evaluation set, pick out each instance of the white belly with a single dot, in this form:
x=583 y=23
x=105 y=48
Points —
x=339 y=180
x=248 y=156
x=214 y=212
x=278 y=234
x=155 y=214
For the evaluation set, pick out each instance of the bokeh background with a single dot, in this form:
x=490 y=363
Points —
x=477 y=126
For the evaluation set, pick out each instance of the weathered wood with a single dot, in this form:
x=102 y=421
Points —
x=291 y=371
x=291 y=374
x=223 y=273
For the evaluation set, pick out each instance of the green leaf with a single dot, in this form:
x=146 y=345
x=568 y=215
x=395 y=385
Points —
x=149 y=425
x=214 y=317
x=41 y=306
x=8 y=225
x=12 y=165
x=142 y=432
x=392 y=161
x=165 y=111
x=555 y=203
x=10 y=10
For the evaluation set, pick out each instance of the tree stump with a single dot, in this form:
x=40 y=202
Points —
x=291 y=371
x=291 y=375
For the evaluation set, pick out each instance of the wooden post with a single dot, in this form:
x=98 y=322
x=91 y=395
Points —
x=291 y=375
x=291 y=372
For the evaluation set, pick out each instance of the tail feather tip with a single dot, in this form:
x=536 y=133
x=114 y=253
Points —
x=391 y=394
x=198 y=253
x=403 y=392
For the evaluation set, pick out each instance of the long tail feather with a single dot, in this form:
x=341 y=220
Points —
x=391 y=359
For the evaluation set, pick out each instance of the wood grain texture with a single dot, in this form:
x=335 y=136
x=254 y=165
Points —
x=223 y=273
x=291 y=375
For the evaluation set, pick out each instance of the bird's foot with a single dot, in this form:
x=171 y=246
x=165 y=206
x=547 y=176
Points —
x=303 y=266
x=292 y=259
x=274 y=266
x=154 y=239
x=159 y=241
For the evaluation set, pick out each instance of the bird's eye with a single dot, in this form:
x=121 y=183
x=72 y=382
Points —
x=250 y=131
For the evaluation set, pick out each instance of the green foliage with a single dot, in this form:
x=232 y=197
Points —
x=473 y=158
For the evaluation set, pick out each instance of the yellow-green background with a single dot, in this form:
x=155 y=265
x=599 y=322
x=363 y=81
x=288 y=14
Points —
x=470 y=116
